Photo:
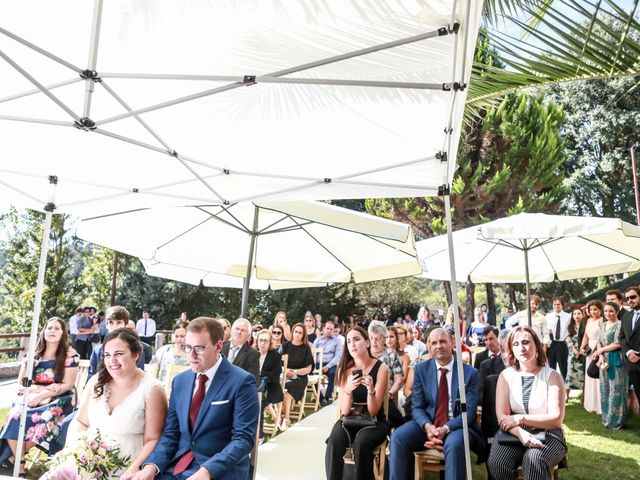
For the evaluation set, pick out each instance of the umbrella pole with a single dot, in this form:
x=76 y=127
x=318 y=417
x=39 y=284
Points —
x=456 y=323
x=526 y=274
x=35 y=320
x=247 y=278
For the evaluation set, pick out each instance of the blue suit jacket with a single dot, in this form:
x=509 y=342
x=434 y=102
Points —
x=225 y=430
x=425 y=396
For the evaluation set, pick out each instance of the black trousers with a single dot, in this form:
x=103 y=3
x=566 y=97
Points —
x=558 y=355
x=364 y=441
x=84 y=348
x=634 y=379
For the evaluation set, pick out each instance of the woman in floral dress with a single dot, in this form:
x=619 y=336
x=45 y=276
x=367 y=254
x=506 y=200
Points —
x=172 y=354
x=50 y=397
x=613 y=379
x=575 y=375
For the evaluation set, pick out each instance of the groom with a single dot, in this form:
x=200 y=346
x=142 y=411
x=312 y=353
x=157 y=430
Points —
x=212 y=418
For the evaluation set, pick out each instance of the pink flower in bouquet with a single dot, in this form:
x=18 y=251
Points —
x=64 y=472
x=97 y=459
x=56 y=411
x=92 y=444
x=35 y=417
x=82 y=458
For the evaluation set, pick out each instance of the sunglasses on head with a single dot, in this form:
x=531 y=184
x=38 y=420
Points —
x=631 y=297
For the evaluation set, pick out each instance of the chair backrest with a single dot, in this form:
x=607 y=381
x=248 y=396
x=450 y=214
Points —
x=81 y=379
x=151 y=369
x=173 y=371
x=254 y=451
x=318 y=359
x=489 y=422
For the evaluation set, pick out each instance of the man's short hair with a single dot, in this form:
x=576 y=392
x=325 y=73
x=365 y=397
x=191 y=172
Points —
x=617 y=293
x=503 y=335
x=377 y=327
x=211 y=325
x=558 y=299
x=117 y=313
x=79 y=310
x=490 y=328
x=535 y=298
x=329 y=321
x=635 y=288
x=244 y=322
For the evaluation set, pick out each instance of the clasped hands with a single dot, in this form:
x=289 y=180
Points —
x=435 y=437
x=525 y=437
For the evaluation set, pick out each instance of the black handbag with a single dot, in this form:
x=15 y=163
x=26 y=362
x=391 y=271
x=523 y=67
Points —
x=593 y=371
x=506 y=438
x=357 y=421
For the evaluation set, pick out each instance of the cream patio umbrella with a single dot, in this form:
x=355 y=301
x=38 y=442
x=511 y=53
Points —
x=136 y=104
x=534 y=247
x=297 y=243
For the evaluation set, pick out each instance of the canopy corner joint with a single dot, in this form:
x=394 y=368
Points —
x=249 y=80
x=90 y=75
x=85 y=123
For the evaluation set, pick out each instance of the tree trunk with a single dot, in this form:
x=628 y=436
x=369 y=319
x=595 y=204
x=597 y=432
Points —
x=491 y=303
x=447 y=291
x=471 y=301
x=512 y=297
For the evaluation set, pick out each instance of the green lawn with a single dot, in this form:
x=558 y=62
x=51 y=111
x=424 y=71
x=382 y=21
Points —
x=594 y=451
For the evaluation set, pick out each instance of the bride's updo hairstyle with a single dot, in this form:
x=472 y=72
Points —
x=130 y=337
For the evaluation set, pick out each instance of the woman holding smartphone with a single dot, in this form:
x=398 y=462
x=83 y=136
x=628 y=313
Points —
x=358 y=375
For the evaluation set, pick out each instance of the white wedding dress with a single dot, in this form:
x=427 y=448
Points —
x=125 y=424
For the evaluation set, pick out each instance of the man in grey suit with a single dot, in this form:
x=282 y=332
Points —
x=239 y=352
x=630 y=337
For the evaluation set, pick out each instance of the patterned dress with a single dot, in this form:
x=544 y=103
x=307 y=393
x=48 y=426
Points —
x=43 y=422
x=613 y=380
x=575 y=375
x=166 y=357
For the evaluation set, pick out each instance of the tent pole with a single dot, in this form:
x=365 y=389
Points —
x=456 y=323
x=247 y=278
x=35 y=320
x=526 y=274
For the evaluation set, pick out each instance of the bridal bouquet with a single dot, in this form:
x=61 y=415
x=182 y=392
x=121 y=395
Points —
x=90 y=459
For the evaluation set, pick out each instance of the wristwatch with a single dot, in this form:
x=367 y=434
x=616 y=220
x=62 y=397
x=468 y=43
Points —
x=446 y=428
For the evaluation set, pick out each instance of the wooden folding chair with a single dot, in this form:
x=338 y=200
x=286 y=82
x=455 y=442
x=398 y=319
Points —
x=380 y=452
x=254 y=451
x=151 y=369
x=314 y=382
x=271 y=428
x=81 y=379
x=173 y=371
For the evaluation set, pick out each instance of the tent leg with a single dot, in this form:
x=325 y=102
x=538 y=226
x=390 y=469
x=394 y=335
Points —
x=247 y=277
x=527 y=286
x=456 y=317
x=35 y=320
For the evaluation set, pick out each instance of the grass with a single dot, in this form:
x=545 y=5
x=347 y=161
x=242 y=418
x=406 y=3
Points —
x=594 y=451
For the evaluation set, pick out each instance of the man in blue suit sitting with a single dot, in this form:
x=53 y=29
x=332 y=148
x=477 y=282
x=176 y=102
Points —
x=437 y=422
x=212 y=418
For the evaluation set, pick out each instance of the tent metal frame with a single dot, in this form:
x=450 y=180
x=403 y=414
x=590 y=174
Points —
x=91 y=78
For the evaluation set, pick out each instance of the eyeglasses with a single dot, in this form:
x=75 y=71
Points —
x=198 y=349
x=275 y=332
x=631 y=297
x=263 y=340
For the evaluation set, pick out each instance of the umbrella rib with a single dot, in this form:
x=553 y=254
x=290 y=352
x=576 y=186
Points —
x=608 y=247
x=382 y=169
x=42 y=121
x=214 y=216
x=280 y=73
x=37 y=90
x=129 y=192
x=322 y=246
x=41 y=51
x=40 y=87
x=28 y=195
x=290 y=228
x=190 y=229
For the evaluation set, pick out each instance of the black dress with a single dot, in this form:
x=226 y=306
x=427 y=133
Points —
x=363 y=441
x=271 y=369
x=299 y=357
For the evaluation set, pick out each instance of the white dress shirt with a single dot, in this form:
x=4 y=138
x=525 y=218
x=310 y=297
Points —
x=552 y=321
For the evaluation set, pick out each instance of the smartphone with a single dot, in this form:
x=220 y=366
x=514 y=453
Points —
x=356 y=373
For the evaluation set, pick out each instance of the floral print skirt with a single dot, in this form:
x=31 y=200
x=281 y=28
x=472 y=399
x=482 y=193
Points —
x=43 y=422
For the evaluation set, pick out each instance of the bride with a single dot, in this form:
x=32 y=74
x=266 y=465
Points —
x=121 y=403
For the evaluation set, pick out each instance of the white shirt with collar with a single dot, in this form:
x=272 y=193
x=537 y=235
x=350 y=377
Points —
x=449 y=367
x=552 y=320
x=210 y=374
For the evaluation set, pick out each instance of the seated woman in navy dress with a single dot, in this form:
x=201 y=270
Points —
x=50 y=396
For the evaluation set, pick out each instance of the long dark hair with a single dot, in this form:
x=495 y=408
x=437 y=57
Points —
x=132 y=340
x=61 y=352
x=346 y=359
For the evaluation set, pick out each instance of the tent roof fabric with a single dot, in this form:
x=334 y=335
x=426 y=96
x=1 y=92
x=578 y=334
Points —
x=133 y=104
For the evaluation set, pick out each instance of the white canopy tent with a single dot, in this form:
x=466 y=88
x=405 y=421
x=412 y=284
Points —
x=134 y=104
x=534 y=247
x=297 y=243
